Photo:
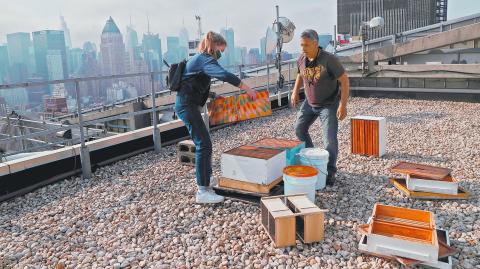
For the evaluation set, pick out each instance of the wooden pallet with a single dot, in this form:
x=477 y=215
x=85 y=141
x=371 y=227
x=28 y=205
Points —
x=401 y=185
x=247 y=186
x=248 y=196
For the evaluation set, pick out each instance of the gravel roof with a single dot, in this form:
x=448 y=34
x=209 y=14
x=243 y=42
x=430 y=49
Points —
x=140 y=212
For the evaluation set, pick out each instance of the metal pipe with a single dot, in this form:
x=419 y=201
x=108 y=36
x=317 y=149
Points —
x=279 y=57
x=84 y=152
x=157 y=143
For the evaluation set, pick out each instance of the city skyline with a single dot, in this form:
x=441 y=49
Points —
x=172 y=15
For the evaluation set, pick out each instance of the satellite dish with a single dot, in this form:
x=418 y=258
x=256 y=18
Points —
x=377 y=22
x=270 y=40
x=287 y=29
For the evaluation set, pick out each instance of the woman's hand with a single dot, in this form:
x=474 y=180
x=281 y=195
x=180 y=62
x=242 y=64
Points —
x=251 y=93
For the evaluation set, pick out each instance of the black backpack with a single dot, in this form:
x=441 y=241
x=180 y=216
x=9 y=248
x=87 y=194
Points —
x=175 y=73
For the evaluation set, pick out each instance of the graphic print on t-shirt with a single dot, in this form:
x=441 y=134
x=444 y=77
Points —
x=312 y=74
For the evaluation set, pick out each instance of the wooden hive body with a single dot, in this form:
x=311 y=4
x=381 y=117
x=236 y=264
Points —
x=253 y=164
x=292 y=147
x=368 y=135
x=309 y=219
x=403 y=232
x=278 y=221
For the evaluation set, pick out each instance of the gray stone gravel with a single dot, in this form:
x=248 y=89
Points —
x=140 y=212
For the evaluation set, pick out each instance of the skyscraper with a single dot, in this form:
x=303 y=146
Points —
x=152 y=50
x=50 y=52
x=183 y=41
x=324 y=40
x=399 y=15
x=66 y=32
x=241 y=55
x=228 y=57
x=76 y=60
x=18 y=55
x=173 y=54
x=112 y=49
x=89 y=67
x=254 y=56
x=133 y=49
x=4 y=64
x=263 y=57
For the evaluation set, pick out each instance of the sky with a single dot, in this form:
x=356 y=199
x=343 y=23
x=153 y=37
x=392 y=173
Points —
x=248 y=18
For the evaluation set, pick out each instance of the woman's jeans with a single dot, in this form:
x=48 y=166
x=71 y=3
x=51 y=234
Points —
x=191 y=115
x=328 y=119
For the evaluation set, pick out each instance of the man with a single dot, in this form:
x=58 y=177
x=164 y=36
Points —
x=322 y=75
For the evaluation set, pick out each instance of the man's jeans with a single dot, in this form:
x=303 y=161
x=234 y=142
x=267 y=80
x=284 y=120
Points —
x=191 y=115
x=328 y=119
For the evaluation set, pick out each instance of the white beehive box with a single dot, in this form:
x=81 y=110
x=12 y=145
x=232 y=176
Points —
x=253 y=164
x=409 y=233
x=441 y=263
x=447 y=185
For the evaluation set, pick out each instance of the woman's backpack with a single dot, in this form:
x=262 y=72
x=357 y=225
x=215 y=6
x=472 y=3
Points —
x=175 y=73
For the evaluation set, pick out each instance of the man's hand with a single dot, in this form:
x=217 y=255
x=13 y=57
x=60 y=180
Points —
x=294 y=99
x=342 y=111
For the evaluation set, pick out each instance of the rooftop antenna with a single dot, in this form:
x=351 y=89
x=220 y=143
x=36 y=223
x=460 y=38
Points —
x=148 y=25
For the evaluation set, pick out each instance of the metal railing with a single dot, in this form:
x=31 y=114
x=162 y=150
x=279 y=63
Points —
x=84 y=151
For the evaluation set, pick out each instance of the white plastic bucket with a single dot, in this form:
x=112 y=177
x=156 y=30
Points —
x=317 y=158
x=300 y=179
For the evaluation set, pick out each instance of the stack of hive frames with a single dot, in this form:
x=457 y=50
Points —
x=368 y=135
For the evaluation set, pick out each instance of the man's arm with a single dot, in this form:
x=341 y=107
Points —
x=345 y=87
x=296 y=90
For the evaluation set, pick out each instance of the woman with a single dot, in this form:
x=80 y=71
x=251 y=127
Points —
x=192 y=96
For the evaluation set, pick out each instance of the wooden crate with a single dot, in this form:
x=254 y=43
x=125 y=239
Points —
x=444 y=261
x=292 y=147
x=278 y=221
x=368 y=135
x=253 y=164
x=309 y=219
x=403 y=232
x=401 y=185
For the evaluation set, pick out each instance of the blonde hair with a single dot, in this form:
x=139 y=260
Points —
x=210 y=41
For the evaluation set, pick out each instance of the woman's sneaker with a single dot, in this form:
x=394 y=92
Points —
x=208 y=197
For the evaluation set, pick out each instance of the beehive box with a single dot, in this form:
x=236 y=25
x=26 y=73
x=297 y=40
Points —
x=309 y=219
x=292 y=147
x=421 y=170
x=368 y=135
x=446 y=185
x=278 y=221
x=253 y=164
x=444 y=261
x=427 y=178
x=403 y=232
